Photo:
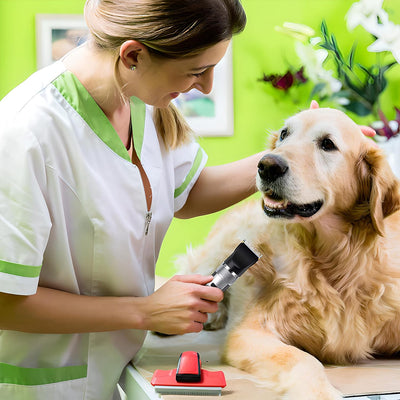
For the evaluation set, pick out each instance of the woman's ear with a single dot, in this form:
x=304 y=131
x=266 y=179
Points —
x=130 y=52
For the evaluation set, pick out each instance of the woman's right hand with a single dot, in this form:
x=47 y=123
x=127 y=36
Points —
x=181 y=305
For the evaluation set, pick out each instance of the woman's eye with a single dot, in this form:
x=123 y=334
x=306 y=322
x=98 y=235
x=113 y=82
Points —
x=327 y=145
x=284 y=133
x=198 y=75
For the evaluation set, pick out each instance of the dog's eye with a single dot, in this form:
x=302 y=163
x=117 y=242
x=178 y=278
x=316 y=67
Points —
x=326 y=144
x=284 y=134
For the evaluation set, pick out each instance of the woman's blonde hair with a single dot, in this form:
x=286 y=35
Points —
x=169 y=29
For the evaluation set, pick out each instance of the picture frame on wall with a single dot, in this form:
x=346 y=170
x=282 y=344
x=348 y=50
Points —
x=56 y=34
x=207 y=115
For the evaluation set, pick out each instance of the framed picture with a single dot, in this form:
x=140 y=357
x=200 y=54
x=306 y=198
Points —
x=212 y=114
x=56 y=34
x=207 y=115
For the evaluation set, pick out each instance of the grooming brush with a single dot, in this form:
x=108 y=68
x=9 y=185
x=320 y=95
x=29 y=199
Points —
x=188 y=378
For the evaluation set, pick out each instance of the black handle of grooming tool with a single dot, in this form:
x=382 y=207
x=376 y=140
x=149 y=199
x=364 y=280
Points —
x=189 y=367
x=233 y=267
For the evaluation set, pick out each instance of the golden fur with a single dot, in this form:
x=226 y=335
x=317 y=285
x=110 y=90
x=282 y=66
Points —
x=327 y=288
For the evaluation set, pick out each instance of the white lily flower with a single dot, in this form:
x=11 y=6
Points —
x=370 y=15
x=342 y=101
x=388 y=39
x=312 y=59
x=315 y=40
x=298 y=31
x=364 y=12
x=396 y=54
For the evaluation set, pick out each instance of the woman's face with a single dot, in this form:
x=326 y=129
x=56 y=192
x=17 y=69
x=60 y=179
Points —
x=157 y=82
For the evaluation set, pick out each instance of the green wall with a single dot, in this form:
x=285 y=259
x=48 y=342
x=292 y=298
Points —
x=257 y=108
x=17 y=33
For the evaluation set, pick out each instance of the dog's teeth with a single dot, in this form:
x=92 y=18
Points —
x=275 y=204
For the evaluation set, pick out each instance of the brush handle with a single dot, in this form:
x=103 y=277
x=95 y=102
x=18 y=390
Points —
x=189 y=368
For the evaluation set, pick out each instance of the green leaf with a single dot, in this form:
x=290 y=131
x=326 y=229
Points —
x=351 y=55
x=324 y=28
x=337 y=50
x=317 y=89
x=368 y=71
x=342 y=93
x=388 y=66
x=349 y=83
x=358 y=108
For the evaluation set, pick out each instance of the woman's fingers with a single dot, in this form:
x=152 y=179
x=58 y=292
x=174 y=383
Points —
x=199 y=289
x=181 y=305
x=367 y=130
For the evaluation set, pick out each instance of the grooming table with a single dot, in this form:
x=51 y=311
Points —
x=380 y=379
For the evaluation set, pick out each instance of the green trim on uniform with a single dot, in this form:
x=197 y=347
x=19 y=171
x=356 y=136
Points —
x=79 y=98
x=40 y=376
x=138 y=116
x=27 y=271
x=189 y=177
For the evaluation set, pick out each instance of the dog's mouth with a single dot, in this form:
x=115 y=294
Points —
x=277 y=207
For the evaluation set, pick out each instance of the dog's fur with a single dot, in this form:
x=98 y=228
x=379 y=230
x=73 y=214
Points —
x=327 y=286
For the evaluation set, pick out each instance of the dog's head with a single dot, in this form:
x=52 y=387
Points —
x=321 y=163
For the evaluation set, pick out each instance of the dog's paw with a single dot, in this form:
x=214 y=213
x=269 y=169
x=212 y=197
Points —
x=312 y=389
x=308 y=381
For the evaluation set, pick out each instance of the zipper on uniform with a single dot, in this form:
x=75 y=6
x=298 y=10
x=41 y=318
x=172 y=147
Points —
x=147 y=222
x=147 y=190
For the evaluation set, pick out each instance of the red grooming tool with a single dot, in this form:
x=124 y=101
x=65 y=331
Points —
x=188 y=378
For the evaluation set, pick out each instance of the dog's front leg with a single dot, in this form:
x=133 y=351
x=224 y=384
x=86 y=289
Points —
x=291 y=373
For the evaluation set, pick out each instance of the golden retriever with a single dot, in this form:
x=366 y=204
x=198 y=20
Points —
x=327 y=287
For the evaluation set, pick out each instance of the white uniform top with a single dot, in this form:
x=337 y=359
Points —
x=73 y=218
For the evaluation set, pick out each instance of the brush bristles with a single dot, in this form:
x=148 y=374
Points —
x=189 y=390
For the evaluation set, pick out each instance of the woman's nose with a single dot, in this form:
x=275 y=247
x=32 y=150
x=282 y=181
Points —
x=205 y=82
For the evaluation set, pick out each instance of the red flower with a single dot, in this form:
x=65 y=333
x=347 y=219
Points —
x=286 y=81
x=300 y=75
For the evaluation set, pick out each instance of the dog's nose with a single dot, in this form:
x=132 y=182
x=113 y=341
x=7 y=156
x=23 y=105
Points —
x=271 y=167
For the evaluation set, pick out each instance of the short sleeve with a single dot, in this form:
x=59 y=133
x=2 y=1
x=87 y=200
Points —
x=24 y=217
x=189 y=161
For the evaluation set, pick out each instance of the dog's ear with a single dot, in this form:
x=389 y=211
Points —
x=380 y=186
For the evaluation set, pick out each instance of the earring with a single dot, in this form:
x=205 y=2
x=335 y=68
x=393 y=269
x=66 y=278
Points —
x=132 y=67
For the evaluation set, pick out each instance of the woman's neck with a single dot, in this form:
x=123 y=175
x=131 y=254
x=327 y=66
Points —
x=95 y=70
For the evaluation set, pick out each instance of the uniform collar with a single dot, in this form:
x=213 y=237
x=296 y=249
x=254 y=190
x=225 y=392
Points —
x=138 y=116
x=83 y=103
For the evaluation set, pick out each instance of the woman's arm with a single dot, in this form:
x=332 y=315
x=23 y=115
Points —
x=221 y=186
x=180 y=306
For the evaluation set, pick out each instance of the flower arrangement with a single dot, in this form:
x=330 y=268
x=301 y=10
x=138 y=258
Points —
x=350 y=84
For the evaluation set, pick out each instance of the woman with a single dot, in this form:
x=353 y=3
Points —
x=95 y=164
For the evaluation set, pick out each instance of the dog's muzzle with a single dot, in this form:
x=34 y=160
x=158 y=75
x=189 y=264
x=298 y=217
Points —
x=272 y=170
x=272 y=167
